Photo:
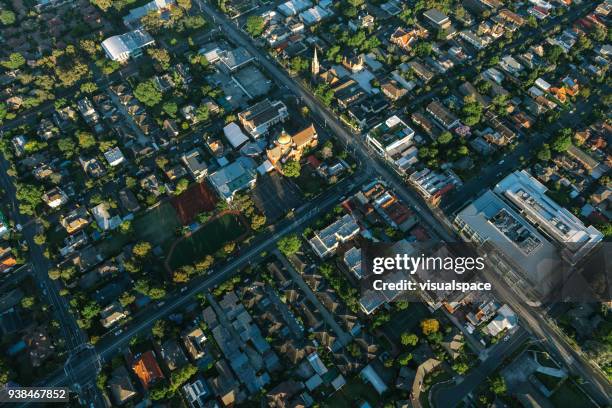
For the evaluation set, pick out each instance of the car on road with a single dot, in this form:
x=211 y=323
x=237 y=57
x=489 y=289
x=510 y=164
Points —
x=507 y=338
x=501 y=162
x=118 y=332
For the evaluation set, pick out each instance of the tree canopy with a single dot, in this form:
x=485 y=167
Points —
x=289 y=244
x=147 y=93
x=255 y=25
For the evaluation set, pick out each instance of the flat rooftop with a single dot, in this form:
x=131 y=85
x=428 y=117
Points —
x=496 y=223
x=522 y=190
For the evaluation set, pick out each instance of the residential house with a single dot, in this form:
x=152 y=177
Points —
x=147 y=369
x=325 y=242
x=112 y=314
x=442 y=115
x=437 y=19
x=195 y=341
x=393 y=90
x=120 y=385
x=75 y=220
x=103 y=217
x=196 y=393
x=114 y=157
x=55 y=197
x=173 y=355
x=195 y=164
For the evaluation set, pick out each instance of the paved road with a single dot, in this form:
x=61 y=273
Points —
x=433 y=219
x=343 y=337
x=113 y=342
x=75 y=339
x=451 y=396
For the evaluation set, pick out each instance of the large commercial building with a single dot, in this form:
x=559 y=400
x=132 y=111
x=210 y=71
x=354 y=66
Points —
x=237 y=176
x=527 y=230
x=122 y=47
x=528 y=195
x=258 y=119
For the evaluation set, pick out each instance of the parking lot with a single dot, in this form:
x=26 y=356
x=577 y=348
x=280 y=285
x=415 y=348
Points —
x=275 y=195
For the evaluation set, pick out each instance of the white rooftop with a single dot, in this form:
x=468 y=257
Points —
x=529 y=195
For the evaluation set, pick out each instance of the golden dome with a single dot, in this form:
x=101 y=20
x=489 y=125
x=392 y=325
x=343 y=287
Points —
x=284 y=138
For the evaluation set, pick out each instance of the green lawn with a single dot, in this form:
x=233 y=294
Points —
x=353 y=392
x=206 y=240
x=570 y=396
x=156 y=226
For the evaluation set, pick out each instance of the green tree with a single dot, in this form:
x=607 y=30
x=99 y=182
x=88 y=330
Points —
x=89 y=87
x=66 y=146
x=181 y=186
x=445 y=138
x=202 y=113
x=292 y=169
x=147 y=93
x=409 y=339
x=27 y=302
x=255 y=25
x=184 y=4
x=170 y=108
x=126 y=227
x=102 y=4
x=141 y=249
x=204 y=263
x=157 y=293
x=5 y=371
x=544 y=153
x=563 y=140
x=289 y=244
x=54 y=273
x=40 y=239
x=498 y=385
x=101 y=380
x=258 y=221
x=324 y=93
x=126 y=299
x=90 y=310
x=15 y=60
x=85 y=139
x=161 y=56
x=3 y=112
x=68 y=273
x=7 y=17
x=553 y=53
x=430 y=326
x=405 y=359
x=159 y=329
x=461 y=367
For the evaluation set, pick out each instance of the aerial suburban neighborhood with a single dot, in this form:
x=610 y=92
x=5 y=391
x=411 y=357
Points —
x=305 y=203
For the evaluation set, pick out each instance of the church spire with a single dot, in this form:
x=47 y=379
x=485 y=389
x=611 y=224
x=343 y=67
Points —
x=315 y=64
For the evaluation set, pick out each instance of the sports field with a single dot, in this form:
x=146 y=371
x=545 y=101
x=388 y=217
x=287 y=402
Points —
x=196 y=199
x=156 y=226
x=207 y=240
